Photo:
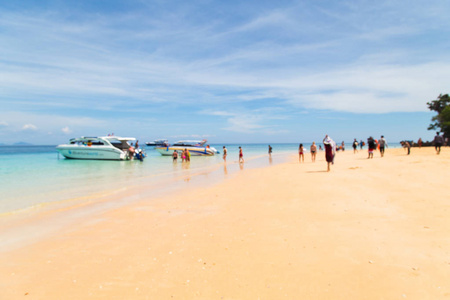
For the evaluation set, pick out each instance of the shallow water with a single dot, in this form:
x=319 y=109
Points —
x=35 y=175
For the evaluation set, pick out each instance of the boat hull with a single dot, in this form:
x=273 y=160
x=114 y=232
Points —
x=95 y=153
x=194 y=151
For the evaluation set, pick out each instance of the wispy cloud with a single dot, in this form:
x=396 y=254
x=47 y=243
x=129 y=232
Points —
x=29 y=127
x=77 y=65
x=250 y=121
x=345 y=56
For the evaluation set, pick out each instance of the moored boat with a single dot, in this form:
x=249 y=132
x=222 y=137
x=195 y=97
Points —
x=155 y=143
x=195 y=147
x=98 y=148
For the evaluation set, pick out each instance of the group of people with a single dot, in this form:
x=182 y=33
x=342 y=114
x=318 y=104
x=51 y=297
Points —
x=241 y=154
x=373 y=144
x=438 y=142
x=185 y=155
x=135 y=152
x=312 y=149
x=330 y=151
x=331 y=148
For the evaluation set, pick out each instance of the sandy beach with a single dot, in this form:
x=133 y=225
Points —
x=369 y=229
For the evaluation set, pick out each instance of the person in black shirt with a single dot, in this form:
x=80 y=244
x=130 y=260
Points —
x=371 y=144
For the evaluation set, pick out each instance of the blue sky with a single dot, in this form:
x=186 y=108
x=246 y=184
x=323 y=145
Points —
x=229 y=71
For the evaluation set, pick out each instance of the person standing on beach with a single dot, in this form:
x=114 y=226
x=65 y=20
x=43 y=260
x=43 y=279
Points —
x=438 y=142
x=175 y=155
x=301 y=156
x=330 y=151
x=420 y=142
x=188 y=155
x=355 y=146
x=183 y=155
x=382 y=143
x=361 y=144
x=371 y=145
x=407 y=146
x=241 y=155
x=313 y=150
x=224 y=154
x=270 y=150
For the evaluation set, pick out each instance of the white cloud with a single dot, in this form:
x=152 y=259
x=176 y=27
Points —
x=290 y=70
x=29 y=127
x=351 y=56
x=250 y=121
x=66 y=130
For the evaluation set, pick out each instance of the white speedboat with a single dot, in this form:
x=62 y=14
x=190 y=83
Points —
x=103 y=148
x=195 y=147
x=160 y=142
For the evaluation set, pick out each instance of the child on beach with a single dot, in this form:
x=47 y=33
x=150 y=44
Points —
x=224 y=154
x=241 y=155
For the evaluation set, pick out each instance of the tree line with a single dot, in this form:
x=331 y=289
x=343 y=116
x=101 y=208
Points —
x=442 y=120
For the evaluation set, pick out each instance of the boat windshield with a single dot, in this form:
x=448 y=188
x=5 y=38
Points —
x=122 y=145
x=90 y=141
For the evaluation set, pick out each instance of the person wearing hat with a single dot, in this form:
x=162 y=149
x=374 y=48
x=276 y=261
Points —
x=330 y=151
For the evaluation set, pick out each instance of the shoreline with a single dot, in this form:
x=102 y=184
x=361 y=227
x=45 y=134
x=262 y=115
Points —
x=16 y=224
x=50 y=181
x=368 y=229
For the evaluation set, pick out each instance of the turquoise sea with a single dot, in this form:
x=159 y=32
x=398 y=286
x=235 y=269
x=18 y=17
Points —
x=33 y=176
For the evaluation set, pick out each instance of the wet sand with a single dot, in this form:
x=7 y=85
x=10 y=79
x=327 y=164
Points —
x=369 y=229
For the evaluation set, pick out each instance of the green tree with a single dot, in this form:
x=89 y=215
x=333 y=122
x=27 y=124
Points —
x=442 y=120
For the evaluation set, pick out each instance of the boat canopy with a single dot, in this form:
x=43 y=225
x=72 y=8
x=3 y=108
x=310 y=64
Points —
x=116 y=141
x=192 y=143
x=96 y=138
